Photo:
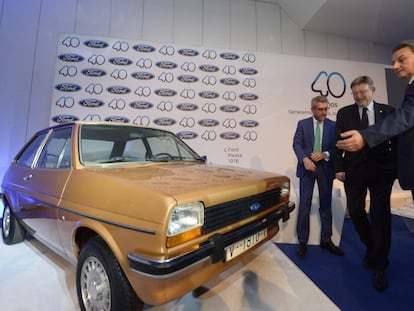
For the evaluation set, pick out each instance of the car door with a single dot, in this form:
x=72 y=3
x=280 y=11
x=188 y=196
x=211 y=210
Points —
x=42 y=183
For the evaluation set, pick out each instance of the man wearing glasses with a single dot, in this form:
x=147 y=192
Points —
x=372 y=169
x=313 y=144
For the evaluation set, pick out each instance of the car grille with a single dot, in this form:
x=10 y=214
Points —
x=221 y=215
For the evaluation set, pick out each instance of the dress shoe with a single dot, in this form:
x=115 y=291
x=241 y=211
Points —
x=379 y=280
x=329 y=246
x=301 y=250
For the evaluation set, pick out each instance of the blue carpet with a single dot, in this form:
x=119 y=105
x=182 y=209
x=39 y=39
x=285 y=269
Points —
x=348 y=284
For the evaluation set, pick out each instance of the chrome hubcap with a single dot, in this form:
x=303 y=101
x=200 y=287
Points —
x=6 y=222
x=95 y=288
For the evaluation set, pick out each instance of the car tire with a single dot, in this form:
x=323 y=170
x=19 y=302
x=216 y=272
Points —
x=101 y=283
x=12 y=230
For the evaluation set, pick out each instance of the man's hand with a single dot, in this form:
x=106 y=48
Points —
x=318 y=156
x=309 y=164
x=351 y=141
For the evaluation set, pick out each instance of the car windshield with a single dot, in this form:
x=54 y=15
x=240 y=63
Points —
x=101 y=143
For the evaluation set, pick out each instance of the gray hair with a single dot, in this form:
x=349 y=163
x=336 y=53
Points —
x=362 y=80
x=318 y=99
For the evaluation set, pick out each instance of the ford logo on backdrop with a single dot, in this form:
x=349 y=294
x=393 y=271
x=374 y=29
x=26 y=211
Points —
x=187 y=107
x=73 y=58
x=68 y=87
x=63 y=118
x=142 y=75
x=165 y=92
x=141 y=105
x=229 y=108
x=188 y=52
x=117 y=119
x=96 y=44
x=120 y=61
x=187 y=135
x=255 y=207
x=208 y=94
x=91 y=103
x=93 y=72
x=230 y=135
x=166 y=65
x=164 y=121
x=248 y=96
x=145 y=48
x=248 y=71
x=208 y=68
x=118 y=90
x=229 y=56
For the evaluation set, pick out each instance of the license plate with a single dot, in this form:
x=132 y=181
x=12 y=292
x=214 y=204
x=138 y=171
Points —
x=238 y=248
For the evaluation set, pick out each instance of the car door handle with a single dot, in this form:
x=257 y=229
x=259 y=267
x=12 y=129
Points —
x=27 y=177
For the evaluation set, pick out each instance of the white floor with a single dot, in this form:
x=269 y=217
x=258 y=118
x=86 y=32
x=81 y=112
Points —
x=34 y=278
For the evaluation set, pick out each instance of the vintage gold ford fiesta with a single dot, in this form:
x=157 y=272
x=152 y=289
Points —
x=142 y=216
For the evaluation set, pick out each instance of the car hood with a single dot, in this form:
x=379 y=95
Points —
x=178 y=179
x=158 y=187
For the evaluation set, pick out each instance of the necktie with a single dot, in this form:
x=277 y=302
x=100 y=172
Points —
x=364 y=118
x=317 y=142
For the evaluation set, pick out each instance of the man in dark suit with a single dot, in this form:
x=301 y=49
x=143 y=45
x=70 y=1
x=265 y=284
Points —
x=372 y=169
x=313 y=144
x=400 y=123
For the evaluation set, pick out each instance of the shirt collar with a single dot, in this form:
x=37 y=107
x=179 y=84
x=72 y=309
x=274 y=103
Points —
x=370 y=106
x=411 y=80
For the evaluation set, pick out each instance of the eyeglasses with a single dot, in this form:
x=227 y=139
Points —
x=362 y=93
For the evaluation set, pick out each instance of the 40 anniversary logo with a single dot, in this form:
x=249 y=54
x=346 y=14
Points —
x=329 y=84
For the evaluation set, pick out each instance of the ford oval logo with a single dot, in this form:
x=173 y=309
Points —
x=208 y=68
x=93 y=72
x=64 y=118
x=187 y=78
x=166 y=65
x=249 y=123
x=187 y=135
x=118 y=90
x=68 y=87
x=164 y=121
x=229 y=56
x=117 y=119
x=120 y=61
x=255 y=207
x=141 y=105
x=188 y=52
x=165 y=92
x=145 y=48
x=91 y=103
x=248 y=71
x=229 y=81
x=142 y=75
x=96 y=44
x=248 y=96
x=230 y=135
x=187 y=107
x=208 y=94
x=208 y=122
x=73 y=58
x=229 y=108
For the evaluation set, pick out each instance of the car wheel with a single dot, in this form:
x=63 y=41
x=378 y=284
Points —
x=12 y=230
x=101 y=283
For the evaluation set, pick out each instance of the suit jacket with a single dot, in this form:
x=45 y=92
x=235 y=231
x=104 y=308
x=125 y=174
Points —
x=303 y=144
x=400 y=123
x=377 y=162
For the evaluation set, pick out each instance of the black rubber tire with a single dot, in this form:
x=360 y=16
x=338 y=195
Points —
x=101 y=283
x=11 y=229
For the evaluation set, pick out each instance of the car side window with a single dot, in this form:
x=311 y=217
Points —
x=57 y=152
x=28 y=154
